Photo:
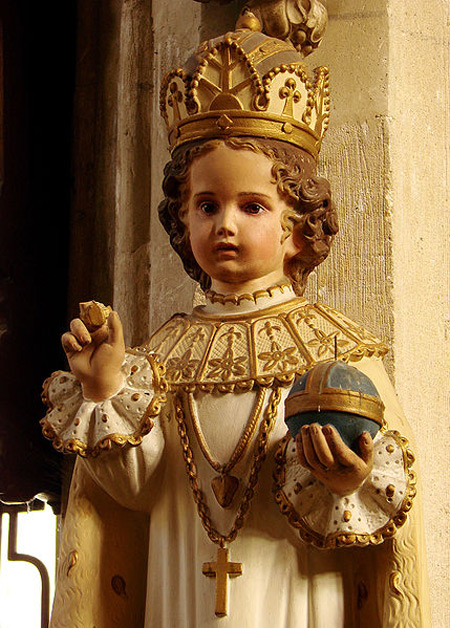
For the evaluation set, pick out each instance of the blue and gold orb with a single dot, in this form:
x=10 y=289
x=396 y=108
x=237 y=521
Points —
x=334 y=393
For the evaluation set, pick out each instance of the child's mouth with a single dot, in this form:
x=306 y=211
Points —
x=226 y=246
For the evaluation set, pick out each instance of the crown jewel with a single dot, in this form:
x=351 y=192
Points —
x=243 y=84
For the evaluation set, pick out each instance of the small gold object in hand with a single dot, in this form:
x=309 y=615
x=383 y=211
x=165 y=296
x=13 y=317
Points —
x=94 y=314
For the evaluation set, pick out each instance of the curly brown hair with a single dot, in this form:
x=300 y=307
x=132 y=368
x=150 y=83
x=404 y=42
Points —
x=312 y=219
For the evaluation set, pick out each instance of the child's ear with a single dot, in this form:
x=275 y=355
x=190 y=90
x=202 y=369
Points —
x=293 y=245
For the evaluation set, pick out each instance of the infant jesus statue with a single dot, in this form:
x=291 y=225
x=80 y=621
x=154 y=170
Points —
x=190 y=506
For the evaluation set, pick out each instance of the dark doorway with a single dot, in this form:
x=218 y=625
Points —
x=38 y=43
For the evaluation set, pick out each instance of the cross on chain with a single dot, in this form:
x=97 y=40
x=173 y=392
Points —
x=220 y=570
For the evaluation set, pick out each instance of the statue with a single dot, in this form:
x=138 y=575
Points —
x=190 y=505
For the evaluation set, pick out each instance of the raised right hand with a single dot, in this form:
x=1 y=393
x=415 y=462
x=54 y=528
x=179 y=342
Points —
x=96 y=358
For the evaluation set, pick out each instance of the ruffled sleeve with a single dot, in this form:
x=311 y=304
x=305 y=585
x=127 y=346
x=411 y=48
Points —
x=367 y=516
x=86 y=427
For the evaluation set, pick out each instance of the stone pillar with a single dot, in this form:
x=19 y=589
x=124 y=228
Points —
x=419 y=121
x=112 y=156
x=357 y=277
x=171 y=289
x=387 y=156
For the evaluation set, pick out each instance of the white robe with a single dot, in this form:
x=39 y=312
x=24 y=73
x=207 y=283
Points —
x=285 y=582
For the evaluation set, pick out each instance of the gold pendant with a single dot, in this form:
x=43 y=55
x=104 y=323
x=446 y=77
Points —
x=224 y=488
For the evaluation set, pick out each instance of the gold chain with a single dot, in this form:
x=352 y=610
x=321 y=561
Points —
x=267 y=425
x=242 y=443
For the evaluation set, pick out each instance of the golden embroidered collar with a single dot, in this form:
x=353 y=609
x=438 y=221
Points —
x=236 y=299
x=202 y=351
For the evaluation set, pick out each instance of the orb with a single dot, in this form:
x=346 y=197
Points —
x=334 y=393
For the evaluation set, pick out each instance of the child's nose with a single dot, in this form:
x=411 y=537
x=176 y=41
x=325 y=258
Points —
x=226 y=221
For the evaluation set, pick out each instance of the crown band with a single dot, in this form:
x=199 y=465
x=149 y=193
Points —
x=244 y=124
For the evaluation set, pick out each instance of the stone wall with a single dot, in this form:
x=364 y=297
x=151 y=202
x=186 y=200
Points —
x=419 y=121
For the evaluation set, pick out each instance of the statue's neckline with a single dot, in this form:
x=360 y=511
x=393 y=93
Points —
x=237 y=299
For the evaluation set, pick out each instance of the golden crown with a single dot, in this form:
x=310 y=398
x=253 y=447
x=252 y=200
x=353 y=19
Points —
x=246 y=84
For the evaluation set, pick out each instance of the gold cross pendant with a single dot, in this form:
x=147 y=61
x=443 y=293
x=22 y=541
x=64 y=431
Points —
x=220 y=570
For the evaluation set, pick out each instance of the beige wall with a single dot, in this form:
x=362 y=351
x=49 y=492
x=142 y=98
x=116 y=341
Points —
x=419 y=113
x=357 y=278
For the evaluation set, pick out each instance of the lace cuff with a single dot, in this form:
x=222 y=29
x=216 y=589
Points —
x=366 y=517
x=86 y=427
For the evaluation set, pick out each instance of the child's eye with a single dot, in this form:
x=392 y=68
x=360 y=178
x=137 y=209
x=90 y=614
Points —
x=254 y=208
x=207 y=207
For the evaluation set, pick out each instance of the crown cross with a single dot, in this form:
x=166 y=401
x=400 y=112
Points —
x=226 y=70
x=291 y=95
x=175 y=97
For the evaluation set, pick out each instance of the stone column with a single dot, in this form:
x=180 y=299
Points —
x=175 y=39
x=387 y=156
x=171 y=289
x=419 y=121
x=112 y=157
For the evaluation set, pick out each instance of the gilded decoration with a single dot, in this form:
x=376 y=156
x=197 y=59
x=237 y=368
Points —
x=201 y=351
x=237 y=299
x=246 y=84
x=225 y=485
x=302 y=22
x=54 y=387
x=259 y=453
x=346 y=538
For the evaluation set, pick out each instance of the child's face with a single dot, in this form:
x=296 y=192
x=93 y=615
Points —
x=234 y=220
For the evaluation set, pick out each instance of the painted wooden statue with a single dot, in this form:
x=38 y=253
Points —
x=190 y=505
